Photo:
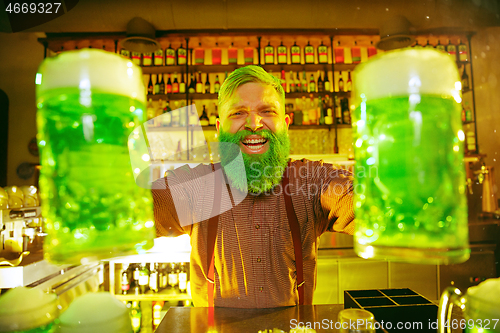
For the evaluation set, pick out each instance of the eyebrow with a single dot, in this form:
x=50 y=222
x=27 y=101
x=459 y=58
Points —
x=260 y=107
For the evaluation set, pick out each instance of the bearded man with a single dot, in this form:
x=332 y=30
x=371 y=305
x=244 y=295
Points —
x=254 y=226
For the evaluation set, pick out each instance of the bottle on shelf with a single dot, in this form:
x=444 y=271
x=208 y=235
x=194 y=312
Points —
x=348 y=85
x=341 y=83
x=292 y=83
x=297 y=115
x=305 y=111
x=298 y=86
x=216 y=55
x=309 y=53
x=428 y=45
x=136 y=58
x=135 y=280
x=157 y=85
x=157 y=307
x=167 y=118
x=207 y=84
x=372 y=50
x=182 y=85
x=464 y=116
x=199 y=84
x=339 y=54
x=329 y=117
x=338 y=111
x=181 y=55
x=192 y=84
x=463 y=54
x=283 y=80
x=153 y=278
x=204 y=117
x=216 y=84
x=151 y=88
x=322 y=54
x=170 y=56
x=468 y=112
x=452 y=50
x=125 y=284
x=346 y=114
x=158 y=57
x=312 y=110
x=295 y=53
x=147 y=59
x=355 y=53
x=303 y=83
x=440 y=47
x=168 y=86
x=175 y=85
x=143 y=278
x=321 y=86
x=173 y=276
x=465 y=80
x=248 y=54
x=212 y=120
x=417 y=45
x=269 y=54
x=232 y=55
x=199 y=55
x=183 y=278
x=193 y=116
x=150 y=111
x=326 y=83
x=125 y=53
x=136 y=316
x=322 y=110
x=162 y=84
x=282 y=52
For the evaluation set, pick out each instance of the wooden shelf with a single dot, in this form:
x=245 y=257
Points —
x=213 y=128
x=162 y=295
x=198 y=96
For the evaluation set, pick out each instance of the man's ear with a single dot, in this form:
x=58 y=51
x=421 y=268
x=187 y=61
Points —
x=287 y=120
x=217 y=125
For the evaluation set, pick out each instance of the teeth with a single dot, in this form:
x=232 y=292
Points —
x=255 y=147
x=255 y=141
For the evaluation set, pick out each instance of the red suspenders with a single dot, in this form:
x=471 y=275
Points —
x=212 y=235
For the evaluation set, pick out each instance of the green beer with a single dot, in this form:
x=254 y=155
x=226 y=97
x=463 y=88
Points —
x=410 y=202
x=92 y=205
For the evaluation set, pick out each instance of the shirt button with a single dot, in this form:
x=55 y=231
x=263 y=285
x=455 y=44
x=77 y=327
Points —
x=258 y=260
x=257 y=226
x=261 y=289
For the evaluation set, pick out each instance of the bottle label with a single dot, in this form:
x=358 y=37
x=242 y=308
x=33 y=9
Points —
x=372 y=51
x=175 y=88
x=158 y=58
x=181 y=56
x=153 y=281
x=216 y=56
x=269 y=55
x=172 y=279
x=182 y=281
x=327 y=86
x=232 y=56
x=147 y=59
x=282 y=55
x=143 y=279
x=440 y=47
x=182 y=88
x=199 y=56
x=136 y=58
x=339 y=55
x=322 y=54
x=451 y=49
x=309 y=54
x=170 y=57
x=295 y=51
x=248 y=56
x=462 y=52
x=125 y=287
x=356 y=55
x=169 y=88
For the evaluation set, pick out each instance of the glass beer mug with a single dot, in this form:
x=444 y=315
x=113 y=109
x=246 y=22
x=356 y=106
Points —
x=480 y=305
x=89 y=101
x=410 y=200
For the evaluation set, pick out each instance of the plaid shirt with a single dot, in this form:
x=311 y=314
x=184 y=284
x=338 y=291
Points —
x=254 y=255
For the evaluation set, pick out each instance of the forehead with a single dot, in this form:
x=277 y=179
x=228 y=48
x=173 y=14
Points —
x=254 y=94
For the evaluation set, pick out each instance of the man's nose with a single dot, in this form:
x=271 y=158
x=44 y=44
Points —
x=253 y=122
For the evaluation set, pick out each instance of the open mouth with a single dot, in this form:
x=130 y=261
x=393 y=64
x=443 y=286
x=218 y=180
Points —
x=254 y=143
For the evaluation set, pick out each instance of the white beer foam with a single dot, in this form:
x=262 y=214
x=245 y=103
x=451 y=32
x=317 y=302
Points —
x=486 y=294
x=406 y=71
x=94 y=69
x=23 y=308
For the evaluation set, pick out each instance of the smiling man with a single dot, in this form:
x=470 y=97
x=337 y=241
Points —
x=263 y=251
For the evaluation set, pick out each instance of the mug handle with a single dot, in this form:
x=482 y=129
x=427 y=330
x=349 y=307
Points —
x=450 y=296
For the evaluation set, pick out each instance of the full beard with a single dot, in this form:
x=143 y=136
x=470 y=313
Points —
x=262 y=171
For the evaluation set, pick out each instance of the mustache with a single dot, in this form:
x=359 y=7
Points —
x=265 y=133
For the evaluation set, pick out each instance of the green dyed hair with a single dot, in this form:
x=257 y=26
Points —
x=250 y=73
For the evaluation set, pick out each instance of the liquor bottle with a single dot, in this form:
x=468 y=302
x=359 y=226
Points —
x=326 y=83
x=298 y=86
x=193 y=116
x=346 y=114
x=322 y=54
x=428 y=45
x=355 y=53
x=463 y=55
x=322 y=110
x=313 y=111
x=372 y=50
x=168 y=269
x=170 y=56
x=212 y=120
x=216 y=55
x=329 y=117
x=181 y=55
x=151 y=88
x=282 y=54
x=136 y=316
x=440 y=47
x=207 y=85
x=143 y=278
x=147 y=59
x=136 y=58
x=338 y=111
x=204 y=117
x=182 y=278
x=175 y=116
x=199 y=55
x=199 y=84
x=175 y=85
x=465 y=80
x=417 y=45
x=304 y=82
x=341 y=83
x=464 y=115
x=150 y=110
x=167 y=115
x=158 y=57
x=269 y=54
x=124 y=280
x=292 y=83
x=216 y=84
x=173 y=277
x=135 y=280
x=283 y=80
x=309 y=53
x=169 y=86
x=321 y=84
x=157 y=306
x=192 y=85
x=468 y=112
x=232 y=55
x=153 y=278
x=248 y=54
x=348 y=85
x=452 y=50
x=295 y=52
x=312 y=83
x=182 y=85
x=157 y=85
x=162 y=84
x=339 y=54
x=125 y=53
